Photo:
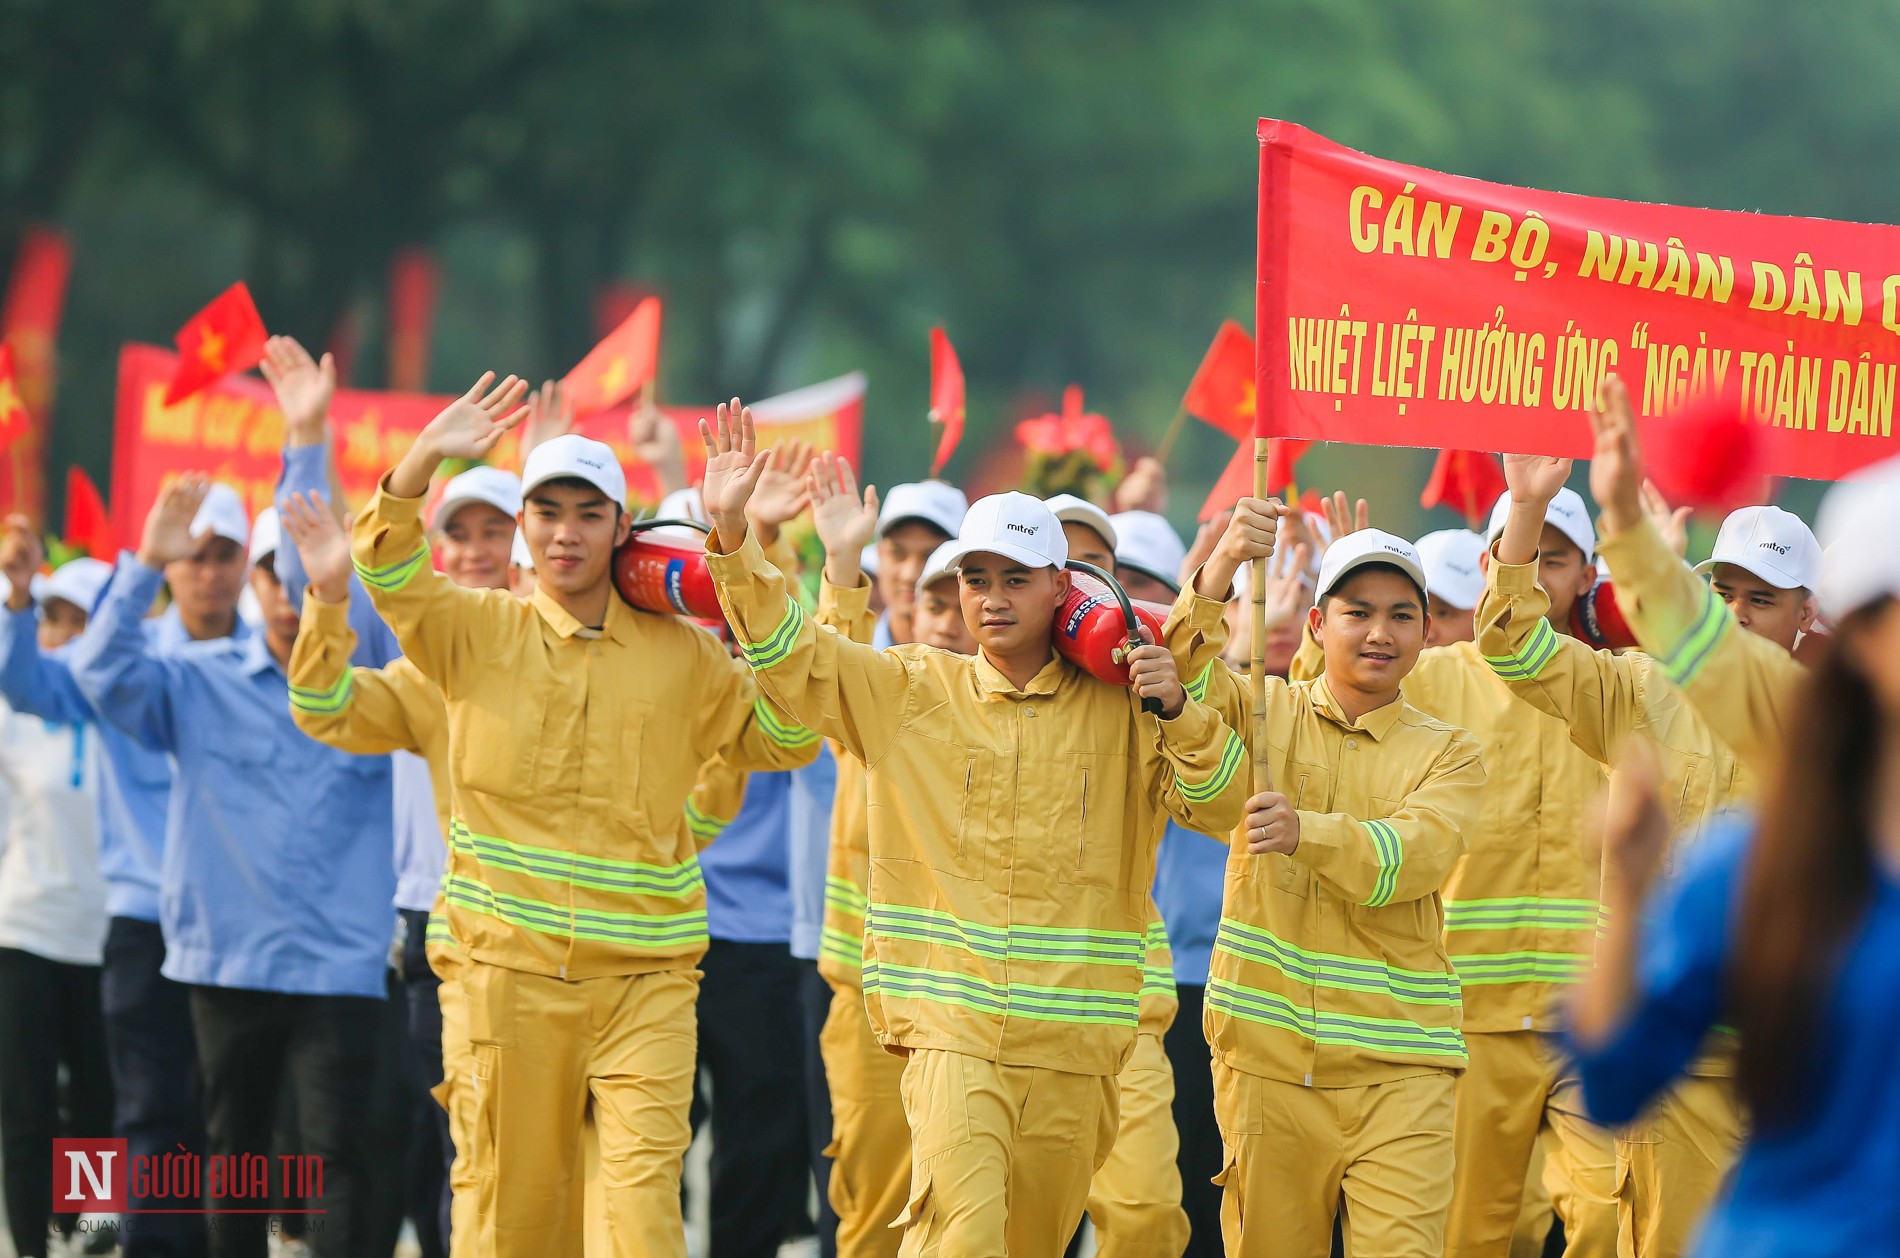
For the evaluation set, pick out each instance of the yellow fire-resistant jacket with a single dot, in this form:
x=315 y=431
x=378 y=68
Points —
x=1741 y=683
x=848 y=866
x=1606 y=699
x=572 y=752
x=1521 y=907
x=1329 y=965
x=1012 y=832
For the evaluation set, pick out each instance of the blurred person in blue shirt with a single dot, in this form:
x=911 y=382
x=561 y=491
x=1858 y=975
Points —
x=149 y=1043
x=1785 y=927
x=277 y=876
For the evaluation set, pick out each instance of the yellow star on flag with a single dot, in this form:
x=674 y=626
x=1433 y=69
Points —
x=10 y=405
x=1246 y=401
x=211 y=350
x=615 y=376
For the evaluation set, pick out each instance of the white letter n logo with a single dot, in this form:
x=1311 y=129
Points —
x=100 y=1183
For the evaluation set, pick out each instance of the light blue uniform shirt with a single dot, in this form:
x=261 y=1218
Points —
x=1190 y=870
x=135 y=786
x=747 y=868
x=277 y=873
x=814 y=788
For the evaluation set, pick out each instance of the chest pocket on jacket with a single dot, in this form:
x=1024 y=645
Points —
x=1309 y=788
x=965 y=855
x=1092 y=808
x=496 y=748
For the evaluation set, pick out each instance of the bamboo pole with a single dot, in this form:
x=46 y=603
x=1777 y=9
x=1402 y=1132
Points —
x=1257 y=675
x=1168 y=438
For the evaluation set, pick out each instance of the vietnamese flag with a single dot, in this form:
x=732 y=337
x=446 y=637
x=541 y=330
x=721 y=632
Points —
x=1467 y=481
x=1222 y=391
x=88 y=526
x=946 y=397
x=615 y=369
x=1237 y=481
x=225 y=337
x=15 y=423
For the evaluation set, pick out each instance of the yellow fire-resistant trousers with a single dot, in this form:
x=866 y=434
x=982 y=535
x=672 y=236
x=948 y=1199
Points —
x=870 y=1139
x=1292 y=1152
x=1515 y=1088
x=1135 y=1198
x=1671 y=1162
x=1001 y=1156
x=543 y=1049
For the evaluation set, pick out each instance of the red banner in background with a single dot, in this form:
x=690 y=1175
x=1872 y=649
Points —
x=415 y=281
x=1403 y=306
x=234 y=431
x=29 y=322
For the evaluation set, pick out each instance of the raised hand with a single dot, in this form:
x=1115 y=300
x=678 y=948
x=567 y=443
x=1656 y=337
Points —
x=549 y=414
x=304 y=388
x=168 y=526
x=1616 y=465
x=1145 y=488
x=1534 y=479
x=1672 y=523
x=1343 y=517
x=322 y=542
x=469 y=427
x=782 y=491
x=845 y=522
x=21 y=554
x=734 y=465
x=1287 y=594
x=656 y=442
x=1250 y=535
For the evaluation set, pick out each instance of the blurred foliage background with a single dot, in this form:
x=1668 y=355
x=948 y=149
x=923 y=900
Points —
x=811 y=184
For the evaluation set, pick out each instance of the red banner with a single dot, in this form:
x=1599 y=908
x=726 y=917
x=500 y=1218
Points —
x=415 y=281
x=1402 y=306
x=234 y=431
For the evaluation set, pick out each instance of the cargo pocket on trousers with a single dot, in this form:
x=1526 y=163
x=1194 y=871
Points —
x=1228 y=1181
x=486 y=1079
x=917 y=1208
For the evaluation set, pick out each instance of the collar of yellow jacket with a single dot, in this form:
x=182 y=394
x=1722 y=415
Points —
x=619 y=624
x=992 y=682
x=1378 y=722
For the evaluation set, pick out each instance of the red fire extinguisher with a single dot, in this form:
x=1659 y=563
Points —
x=1097 y=625
x=1598 y=620
x=659 y=574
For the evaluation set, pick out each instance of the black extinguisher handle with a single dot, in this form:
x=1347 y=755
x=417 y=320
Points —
x=1150 y=703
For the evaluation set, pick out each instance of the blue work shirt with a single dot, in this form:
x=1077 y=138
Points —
x=814 y=788
x=1190 y=873
x=135 y=785
x=277 y=873
x=748 y=867
x=1821 y=1185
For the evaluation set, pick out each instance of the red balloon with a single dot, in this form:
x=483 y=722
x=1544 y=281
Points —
x=1711 y=457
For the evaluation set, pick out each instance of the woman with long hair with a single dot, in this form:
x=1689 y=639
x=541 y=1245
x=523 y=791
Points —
x=1784 y=926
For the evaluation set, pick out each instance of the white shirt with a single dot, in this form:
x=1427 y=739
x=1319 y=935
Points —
x=52 y=895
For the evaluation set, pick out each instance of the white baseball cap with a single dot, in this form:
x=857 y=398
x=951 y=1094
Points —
x=942 y=563
x=1857 y=523
x=1775 y=545
x=1015 y=526
x=77 y=581
x=267 y=534
x=520 y=556
x=1566 y=513
x=1450 y=558
x=221 y=514
x=937 y=503
x=582 y=458
x=1356 y=550
x=1070 y=509
x=1147 y=543
x=495 y=486
x=681 y=504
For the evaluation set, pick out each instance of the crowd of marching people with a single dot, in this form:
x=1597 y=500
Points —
x=1420 y=925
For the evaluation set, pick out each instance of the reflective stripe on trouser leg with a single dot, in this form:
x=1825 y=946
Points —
x=1135 y=1198
x=1001 y=1156
x=870 y=1139
x=1671 y=1162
